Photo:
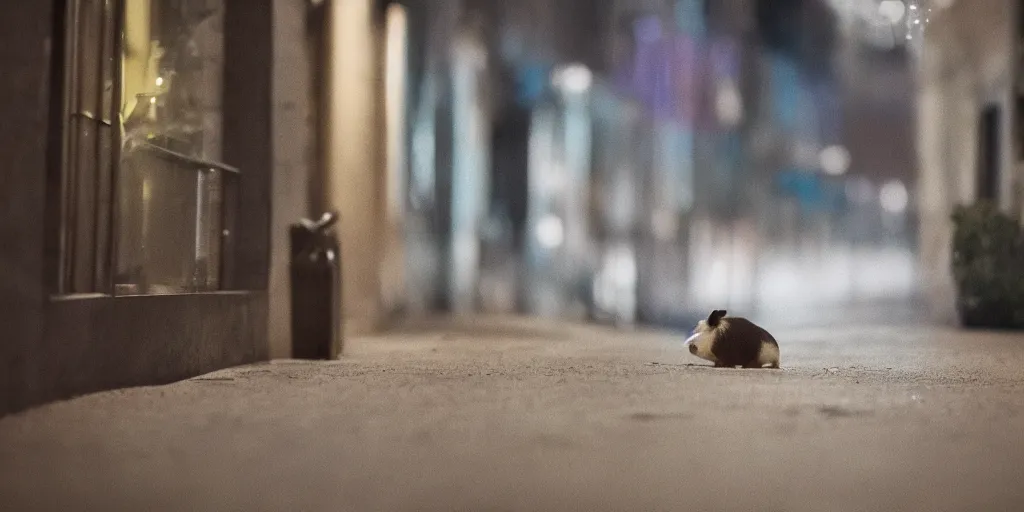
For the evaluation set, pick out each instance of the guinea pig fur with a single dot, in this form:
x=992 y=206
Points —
x=732 y=341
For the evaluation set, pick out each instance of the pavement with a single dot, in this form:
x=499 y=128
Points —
x=514 y=414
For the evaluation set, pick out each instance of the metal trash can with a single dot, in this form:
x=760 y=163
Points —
x=316 y=289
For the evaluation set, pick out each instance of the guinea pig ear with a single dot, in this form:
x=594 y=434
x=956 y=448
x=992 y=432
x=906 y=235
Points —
x=715 y=317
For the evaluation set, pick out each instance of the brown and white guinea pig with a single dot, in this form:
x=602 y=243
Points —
x=732 y=341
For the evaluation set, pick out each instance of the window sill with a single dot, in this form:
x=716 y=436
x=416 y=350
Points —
x=95 y=296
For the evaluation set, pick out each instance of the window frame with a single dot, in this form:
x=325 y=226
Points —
x=88 y=175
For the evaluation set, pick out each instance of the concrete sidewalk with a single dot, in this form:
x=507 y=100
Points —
x=524 y=415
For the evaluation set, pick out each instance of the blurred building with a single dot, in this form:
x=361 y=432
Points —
x=969 y=126
x=651 y=160
x=755 y=155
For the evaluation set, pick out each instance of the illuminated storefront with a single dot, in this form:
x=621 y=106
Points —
x=137 y=230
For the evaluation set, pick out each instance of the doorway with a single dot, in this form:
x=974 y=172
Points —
x=989 y=151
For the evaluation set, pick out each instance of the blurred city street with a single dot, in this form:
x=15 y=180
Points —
x=514 y=414
x=443 y=255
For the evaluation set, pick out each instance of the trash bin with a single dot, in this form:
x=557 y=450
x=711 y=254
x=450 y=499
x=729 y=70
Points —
x=316 y=289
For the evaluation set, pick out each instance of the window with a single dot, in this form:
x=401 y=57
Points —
x=989 y=151
x=148 y=208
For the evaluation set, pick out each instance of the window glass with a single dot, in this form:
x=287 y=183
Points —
x=171 y=227
x=173 y=75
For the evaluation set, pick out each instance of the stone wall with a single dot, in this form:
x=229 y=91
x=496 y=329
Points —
x=355 y=155
x=294 y=131
x=26 y=34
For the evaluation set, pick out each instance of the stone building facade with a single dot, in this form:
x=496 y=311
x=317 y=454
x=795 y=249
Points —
x=220 y=176
x=968 y=85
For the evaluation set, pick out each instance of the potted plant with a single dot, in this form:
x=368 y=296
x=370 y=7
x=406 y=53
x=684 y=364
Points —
x=988 y=267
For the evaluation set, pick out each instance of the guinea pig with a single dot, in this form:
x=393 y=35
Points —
x=732 y=341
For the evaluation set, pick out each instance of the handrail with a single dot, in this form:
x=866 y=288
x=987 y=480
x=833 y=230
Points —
x=181 y=157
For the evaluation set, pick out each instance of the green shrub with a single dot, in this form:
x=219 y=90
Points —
x=988 y=267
